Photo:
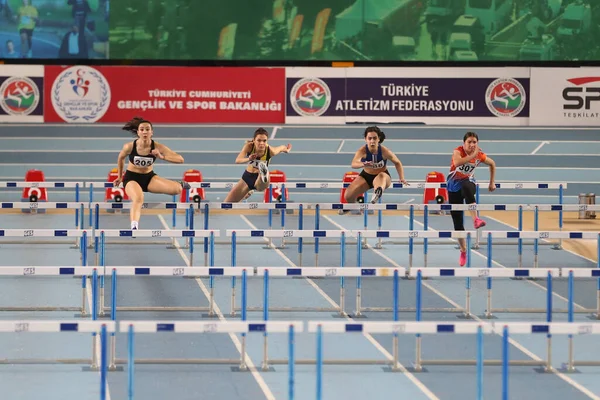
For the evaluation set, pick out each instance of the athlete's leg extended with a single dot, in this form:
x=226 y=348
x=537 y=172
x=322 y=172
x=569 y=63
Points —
x=468 y=193
x=381 y=182
x=237 y=193
x=135 y=193
x=264 y=178
x=356 y=189
x=166 y=186
x=458 y=223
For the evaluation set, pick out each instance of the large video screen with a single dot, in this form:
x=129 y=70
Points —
x=359 y=30
x=54 y=29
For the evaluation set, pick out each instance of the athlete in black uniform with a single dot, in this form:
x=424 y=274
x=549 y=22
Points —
x=373 y=158
x=139 y=176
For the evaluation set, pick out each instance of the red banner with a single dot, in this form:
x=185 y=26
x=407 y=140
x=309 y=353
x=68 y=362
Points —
x=83 y=94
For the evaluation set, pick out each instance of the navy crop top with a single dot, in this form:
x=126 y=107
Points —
x=140 y=160
x=377 y=159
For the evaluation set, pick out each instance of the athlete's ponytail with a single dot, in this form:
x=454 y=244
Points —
x=378 y=131
x=133 y=125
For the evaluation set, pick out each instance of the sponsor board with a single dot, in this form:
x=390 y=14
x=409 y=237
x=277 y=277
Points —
x=111 y=94
x=21 y=93
x=565 y=96
x=494 y=96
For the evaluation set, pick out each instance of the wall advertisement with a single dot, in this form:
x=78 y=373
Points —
x=84 y=94
x=488 y=96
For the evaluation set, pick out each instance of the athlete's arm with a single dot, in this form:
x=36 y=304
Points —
x=242 y=158
x=357 y=161
x=389 y=155
x=125 y=151
x=165 y=153
x=492 y=166
x=458 y=160
x=281 y=149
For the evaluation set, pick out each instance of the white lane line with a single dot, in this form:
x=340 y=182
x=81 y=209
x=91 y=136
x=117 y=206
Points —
x=274 y=132
x=251 y=367
x=370 y=338
x=341 y=145
x=88 y=290
x=539 y=147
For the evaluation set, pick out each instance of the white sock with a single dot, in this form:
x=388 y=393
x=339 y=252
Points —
x=134 y=224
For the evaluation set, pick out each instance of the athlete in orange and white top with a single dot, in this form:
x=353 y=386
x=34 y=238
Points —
x=461 y=183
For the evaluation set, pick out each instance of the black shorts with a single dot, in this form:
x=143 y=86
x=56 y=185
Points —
x=466 y=194
x=250 y=179
x=142 y=179
x=369 y=178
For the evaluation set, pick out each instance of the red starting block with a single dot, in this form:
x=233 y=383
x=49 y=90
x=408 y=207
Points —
x=435 y=195
x=196 y=194
x=276 y=178
x=114 y=194
x=349 y=177
x=34 y=194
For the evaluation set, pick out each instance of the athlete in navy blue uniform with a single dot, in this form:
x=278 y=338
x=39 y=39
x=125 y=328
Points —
x=139 y=176
x=373 y=158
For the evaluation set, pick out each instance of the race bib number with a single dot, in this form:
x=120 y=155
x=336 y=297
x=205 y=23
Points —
x=139 y=161
x=467 y=168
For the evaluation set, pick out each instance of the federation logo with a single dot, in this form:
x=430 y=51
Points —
x=310 y=97
x=19 y=96
x=505 y=97
x=80 y=94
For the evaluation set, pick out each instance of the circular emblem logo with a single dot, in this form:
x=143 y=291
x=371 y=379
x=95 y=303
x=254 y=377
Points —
x=505 y=97
x=19 y=96
x=80 y=94
x=310 y=97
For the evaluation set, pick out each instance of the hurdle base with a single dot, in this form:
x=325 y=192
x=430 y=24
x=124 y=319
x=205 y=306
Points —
x=468 y=316
x=594 y=317
x=545 y=370
x=393 y=369
x=488 y=316
x=206 y=315
x=116 y=368
x=357 y=316
x=566 y=370
x=338 y=315
x=415 y=370
x=89 y=368
x=81 y=315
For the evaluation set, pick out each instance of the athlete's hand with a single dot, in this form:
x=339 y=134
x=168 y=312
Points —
x=252 y=157
x=492 y=187
x=404 y=182
x=158 y=154
x=117 y=182
x=287 y=149
x=368 y=164
x=475 y=152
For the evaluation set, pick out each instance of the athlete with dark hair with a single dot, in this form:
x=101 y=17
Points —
x=373 y=158
x=139 y=176
x=461 y=184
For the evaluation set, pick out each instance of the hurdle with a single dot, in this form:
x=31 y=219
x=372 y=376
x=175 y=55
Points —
x=59 y=326
x=28 y=234
x=229 y=327
x=477 y=329
x=174 y=206
x=78 y=206
x=175 y=272
x=537 y=235
x=33 y=272
x=99 y=249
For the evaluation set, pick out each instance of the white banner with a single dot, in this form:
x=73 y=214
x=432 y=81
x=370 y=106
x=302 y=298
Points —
x=441 y=96
x=565 y=97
